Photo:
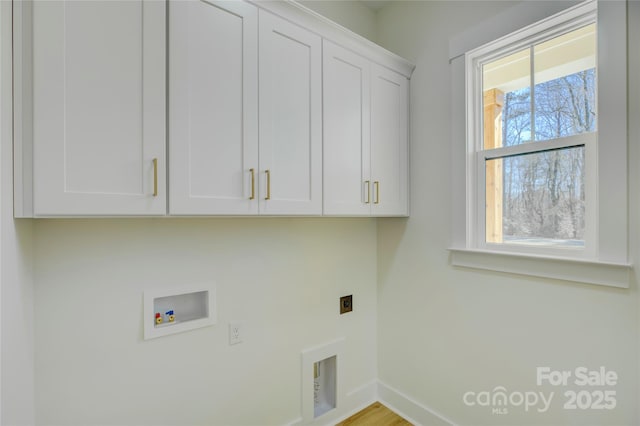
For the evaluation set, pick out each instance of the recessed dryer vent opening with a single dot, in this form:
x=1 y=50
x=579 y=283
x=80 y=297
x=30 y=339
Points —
x=324 y=386
x=321 y=381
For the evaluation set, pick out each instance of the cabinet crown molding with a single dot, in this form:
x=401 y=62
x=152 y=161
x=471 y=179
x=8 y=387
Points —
x=336 y=33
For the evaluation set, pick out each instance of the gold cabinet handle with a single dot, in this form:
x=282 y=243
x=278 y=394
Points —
x=376 y=185
x=253 y=184
x=268 y=173
x=155 y=177
x=368 y=183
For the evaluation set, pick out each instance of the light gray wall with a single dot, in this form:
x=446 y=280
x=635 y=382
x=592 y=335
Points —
x=16 y=267
x=349 y=13
x=633 y=25
x=281 y=277
x=444 y=331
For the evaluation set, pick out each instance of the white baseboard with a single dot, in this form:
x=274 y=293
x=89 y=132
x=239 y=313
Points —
x=295 y=422
x=410 y=409
x=354 y=401
x=358 y=399
x=376 y=390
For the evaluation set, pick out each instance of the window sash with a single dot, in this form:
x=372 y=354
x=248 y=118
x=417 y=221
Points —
x=610 y=264
x=476 y=170
x=541 y=146
x=531 y=36
x=589 y=141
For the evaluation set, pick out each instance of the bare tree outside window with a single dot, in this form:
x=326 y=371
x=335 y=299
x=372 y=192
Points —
x=544 y=196
x=542 y=93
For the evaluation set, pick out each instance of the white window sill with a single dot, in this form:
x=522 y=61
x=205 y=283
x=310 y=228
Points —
x=576 y=270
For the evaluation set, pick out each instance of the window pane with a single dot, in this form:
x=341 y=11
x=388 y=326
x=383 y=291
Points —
x=516 y=117
x=507 y=100
x=565 y=85
x=541 y=199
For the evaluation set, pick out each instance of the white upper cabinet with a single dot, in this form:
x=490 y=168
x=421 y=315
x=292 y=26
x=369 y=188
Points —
x=346 y=114
x=290 y=118
x=243 y=142
x=365 y=136
x=389 y=143
x=98 y=107
x=238 y=86
x=213 y=109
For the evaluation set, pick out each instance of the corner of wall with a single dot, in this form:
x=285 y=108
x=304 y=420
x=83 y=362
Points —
x=17 y=378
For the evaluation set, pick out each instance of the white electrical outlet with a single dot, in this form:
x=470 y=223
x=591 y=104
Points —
x=235 y=333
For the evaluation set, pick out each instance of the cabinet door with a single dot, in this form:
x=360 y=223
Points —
x=389 y=143
x=290 y=118
x=99 y=107
x=346 y=134
x=213 y=107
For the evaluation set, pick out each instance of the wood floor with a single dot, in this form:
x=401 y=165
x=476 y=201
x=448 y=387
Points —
x=375 y=414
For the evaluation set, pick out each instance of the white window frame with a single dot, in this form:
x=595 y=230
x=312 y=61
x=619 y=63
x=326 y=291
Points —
x=476 y=211
x=605 y=260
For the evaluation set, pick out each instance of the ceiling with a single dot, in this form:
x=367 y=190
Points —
x=375 y=5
